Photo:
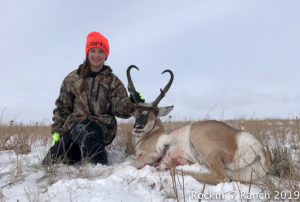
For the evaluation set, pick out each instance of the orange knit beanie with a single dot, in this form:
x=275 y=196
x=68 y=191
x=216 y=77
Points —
x=96 y=40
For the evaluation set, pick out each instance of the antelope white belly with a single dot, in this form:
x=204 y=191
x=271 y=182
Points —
x=180 y=150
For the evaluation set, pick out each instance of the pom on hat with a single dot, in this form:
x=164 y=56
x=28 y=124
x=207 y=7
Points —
x=96 y=40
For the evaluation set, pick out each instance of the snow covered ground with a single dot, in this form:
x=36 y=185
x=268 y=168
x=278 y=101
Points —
x=22 y=178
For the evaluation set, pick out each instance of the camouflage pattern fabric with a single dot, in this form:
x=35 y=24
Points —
x=103 y=98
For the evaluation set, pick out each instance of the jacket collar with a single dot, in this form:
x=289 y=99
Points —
x=105 y=70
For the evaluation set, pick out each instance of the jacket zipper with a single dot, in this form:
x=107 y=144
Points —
x=91 y=97
x=92 y=88
x=98 y=92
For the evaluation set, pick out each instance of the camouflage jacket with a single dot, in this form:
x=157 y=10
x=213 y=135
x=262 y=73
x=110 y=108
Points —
x=104 y=98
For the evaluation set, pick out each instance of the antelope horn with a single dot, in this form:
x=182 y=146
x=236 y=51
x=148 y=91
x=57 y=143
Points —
x=131 y=87
x=165 y=90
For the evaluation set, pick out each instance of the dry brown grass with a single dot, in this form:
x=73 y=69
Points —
x=124 y=131
x=20 y=137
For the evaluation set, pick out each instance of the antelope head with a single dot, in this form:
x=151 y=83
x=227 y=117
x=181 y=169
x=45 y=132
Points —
x=147 y=114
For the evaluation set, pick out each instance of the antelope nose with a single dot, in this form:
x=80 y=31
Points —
x=136 y=126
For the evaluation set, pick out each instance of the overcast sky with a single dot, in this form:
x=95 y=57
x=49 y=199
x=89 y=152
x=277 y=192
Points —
x=230 y=58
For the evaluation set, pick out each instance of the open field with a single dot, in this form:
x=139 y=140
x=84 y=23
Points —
x=22 y=177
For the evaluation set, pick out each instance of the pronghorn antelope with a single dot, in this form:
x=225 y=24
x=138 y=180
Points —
x=231 y=154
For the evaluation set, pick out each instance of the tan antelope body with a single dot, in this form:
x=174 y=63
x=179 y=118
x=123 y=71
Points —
x=231 y=154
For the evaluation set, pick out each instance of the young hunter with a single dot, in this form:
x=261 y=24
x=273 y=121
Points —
x=84 y=117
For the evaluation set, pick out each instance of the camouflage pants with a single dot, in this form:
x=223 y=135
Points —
x=83 y=142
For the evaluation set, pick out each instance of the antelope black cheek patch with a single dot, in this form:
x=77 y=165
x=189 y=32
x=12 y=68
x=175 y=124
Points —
x=141 y=119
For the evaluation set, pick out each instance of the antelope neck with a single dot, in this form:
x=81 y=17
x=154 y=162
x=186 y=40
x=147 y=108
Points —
x=156 y=130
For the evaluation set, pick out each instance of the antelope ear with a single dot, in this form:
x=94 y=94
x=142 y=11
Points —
x=163 y=111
